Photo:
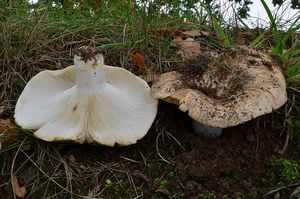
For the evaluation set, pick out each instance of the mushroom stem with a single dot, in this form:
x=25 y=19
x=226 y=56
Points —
x=206 y=131
x=90 y=79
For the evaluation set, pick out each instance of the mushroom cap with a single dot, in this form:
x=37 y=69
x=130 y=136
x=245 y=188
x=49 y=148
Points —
x=225 y=88
x=122 y=112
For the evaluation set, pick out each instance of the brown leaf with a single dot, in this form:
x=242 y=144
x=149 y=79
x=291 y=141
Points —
x=8 y=133
x=5 y=125
x=189 y=48
x=139 y=60
x=166 y=32
x=19 y=191
x=195 y=33
x=241 y=36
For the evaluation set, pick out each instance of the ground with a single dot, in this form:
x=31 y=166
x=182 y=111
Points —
x=170 y=162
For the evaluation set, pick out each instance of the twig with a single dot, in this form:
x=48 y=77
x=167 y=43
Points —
x=51 y=179
x=175 y=140
x=131 y=160
x=280 y=188
x=13 y=165
x=157 y=148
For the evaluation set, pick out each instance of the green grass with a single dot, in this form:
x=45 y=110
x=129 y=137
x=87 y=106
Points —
x=279 y=37
x=285 y=172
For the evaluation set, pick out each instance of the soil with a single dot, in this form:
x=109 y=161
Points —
x=87 y=52
x=222 y=74
x=233 y=166
x=218 y=70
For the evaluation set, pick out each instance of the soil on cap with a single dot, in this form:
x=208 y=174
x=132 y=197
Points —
x=227 y=79
x=87 y=52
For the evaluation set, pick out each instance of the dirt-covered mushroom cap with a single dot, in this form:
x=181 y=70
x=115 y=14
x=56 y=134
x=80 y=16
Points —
x=87 y=102
x=224 y=88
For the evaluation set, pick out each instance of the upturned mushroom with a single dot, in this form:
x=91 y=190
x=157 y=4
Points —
x=224 y=88
x=87 y=102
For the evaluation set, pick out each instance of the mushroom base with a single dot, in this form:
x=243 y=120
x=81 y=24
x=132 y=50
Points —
x=206 y=131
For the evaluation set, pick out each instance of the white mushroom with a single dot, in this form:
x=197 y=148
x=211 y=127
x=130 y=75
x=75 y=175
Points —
x=87 y=102
x=228 y=87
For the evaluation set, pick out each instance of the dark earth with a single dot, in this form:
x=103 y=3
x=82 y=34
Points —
x=170 y=162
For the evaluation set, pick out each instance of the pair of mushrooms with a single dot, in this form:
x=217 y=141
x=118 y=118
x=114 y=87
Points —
x=95 y=103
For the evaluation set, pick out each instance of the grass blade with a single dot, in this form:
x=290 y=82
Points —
x=241 y=20
x=220 y=33
x=277 y=50
x=258 y=39
x=114 y=45
x=269 y=13
x=218 y=28
x=293 y=70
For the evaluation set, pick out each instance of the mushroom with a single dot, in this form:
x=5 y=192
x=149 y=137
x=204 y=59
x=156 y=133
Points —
x=87 y=102
x=224 y=88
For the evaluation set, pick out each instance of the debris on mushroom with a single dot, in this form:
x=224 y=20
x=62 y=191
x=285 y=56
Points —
x=87 y=102
x=224 y=88
x=189 y=48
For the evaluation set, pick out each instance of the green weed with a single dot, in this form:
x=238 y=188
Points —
x=284 y=172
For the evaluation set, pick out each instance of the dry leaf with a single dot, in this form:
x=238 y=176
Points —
x=8 y=133
x=165 y=32
x=19 y=191
x=139 y=60
x=240 y=36
x=5 y=125
x=195 y=33
x=189 y=48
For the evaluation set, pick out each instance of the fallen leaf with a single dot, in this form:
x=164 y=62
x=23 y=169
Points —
x=139 y=60
x=165 y=32
x=240 y=36
x=195 y=33
x=5 y=125
x=7 y=133
x=188 y=48
x=19 y=191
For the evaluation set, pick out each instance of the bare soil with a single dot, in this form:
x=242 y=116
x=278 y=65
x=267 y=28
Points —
x=170 y=162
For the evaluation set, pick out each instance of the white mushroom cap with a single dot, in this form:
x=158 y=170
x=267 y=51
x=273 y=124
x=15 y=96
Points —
x=231 y=88
x=87 y=102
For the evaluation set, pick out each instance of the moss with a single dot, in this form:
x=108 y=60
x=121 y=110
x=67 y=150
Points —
x=284 y=172
x=210 y=195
